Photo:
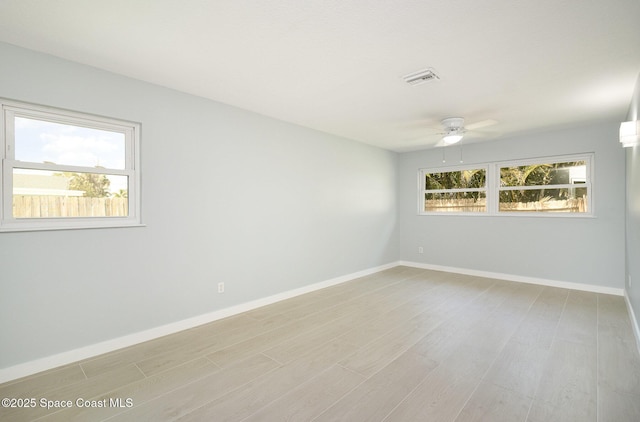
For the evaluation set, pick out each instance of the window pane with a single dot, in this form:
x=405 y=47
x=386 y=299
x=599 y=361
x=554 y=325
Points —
x=463 y=179
x=40 y=141
x=47 y=194
x=544 y=174
x=544 y=200
x=455 y=202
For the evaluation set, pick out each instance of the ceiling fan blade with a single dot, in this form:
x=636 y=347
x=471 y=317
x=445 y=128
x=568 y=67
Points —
x=481 y=124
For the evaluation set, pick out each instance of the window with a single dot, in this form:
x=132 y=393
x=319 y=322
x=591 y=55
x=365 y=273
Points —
x=63 y=169
x=546 y=186
x=454 y=190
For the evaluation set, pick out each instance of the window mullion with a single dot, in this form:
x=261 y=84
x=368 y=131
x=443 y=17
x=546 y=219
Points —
x=64 y=168
x=541 y=187
x=454 y=190
x=492 y=196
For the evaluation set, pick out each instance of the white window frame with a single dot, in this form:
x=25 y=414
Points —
x=422 y=190
x=493 y=187
x=588 y=158
x=131 y=131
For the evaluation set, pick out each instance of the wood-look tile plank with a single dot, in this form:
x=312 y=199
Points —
x=521 y=298
x=43 y=382
x=259 y=343
x=378 y=353
x=519 y=368
x=490 y=403
x=310 y=399
x=85 y=389
x=413 y=303
x=193 y=395
x=379 y=394
x=538 y=328
x=579 y=320
x=203 y=345
x=290 y=349
x=612 y=310
x=440 y=397
x=367 y=306
x=568 y=387
x=466 y=358
x=250 y=398
x=614 y=406
x=165 y=344
x=433 y=302
x=139 y=392
x=549 y=304
x=618 y=365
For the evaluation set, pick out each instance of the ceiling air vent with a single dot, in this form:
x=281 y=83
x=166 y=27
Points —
x=421 y=77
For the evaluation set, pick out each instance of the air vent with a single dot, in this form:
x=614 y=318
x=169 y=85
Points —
x=421 y=77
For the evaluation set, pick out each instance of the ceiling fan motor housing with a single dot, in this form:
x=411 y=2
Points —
x=453 y=124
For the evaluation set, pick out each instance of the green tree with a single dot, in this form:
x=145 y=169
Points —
x=93 y=185
x=462 y=179
x=543 y=175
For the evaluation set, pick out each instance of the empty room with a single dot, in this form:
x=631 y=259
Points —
x=320 y=210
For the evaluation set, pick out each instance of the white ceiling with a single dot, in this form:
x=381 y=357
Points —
x=337 y=65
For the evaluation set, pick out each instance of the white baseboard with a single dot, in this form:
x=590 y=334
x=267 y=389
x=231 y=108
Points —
x=86 y=352
x=518 y=278
x=634 y=320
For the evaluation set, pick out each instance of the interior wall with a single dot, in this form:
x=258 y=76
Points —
x=227 y=196
x=576 y=250
x=633 y=213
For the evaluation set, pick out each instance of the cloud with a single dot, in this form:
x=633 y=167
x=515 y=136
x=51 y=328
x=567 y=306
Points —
x=40 y=141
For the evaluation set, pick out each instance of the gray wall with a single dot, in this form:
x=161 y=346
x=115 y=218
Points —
x=228 y=195
x=633 y=212
x=581 y=250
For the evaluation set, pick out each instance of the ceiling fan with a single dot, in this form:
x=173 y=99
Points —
x=454 y=129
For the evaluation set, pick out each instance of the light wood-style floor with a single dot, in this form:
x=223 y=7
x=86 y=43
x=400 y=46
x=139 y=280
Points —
x=401 y=345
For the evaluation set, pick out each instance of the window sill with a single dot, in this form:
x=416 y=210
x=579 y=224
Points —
x=510 y=214
x=16 y=228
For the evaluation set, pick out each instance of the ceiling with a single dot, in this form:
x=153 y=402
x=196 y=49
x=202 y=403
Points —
x=337 y=65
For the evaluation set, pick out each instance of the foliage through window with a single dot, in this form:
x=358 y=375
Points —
x=556 y=185
x=545 y=187
x=64 y=169
x=455 y=190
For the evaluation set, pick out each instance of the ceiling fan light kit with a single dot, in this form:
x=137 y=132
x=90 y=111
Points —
x=454 y=130
x=451 y=138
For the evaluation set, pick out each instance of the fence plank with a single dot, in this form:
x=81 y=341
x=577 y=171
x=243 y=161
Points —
x=35 y=206
x=473 y=205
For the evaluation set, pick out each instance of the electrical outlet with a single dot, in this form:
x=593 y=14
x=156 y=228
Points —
x=220 y=287
x=420 y=249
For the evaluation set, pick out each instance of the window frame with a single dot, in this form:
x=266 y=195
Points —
x=493 y=187
x=131 y=131
x=422 y=191
x=588 y=158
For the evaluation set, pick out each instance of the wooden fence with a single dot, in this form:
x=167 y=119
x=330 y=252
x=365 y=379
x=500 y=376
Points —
x=455 y=205
x=564 y=205
x=472 y=205
x=34 y=206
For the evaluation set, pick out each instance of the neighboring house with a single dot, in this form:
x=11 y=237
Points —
x=40 y=184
